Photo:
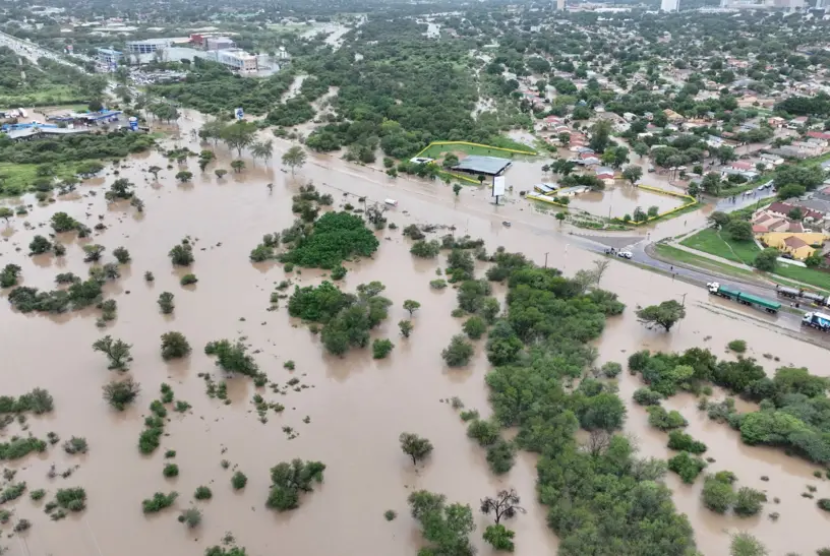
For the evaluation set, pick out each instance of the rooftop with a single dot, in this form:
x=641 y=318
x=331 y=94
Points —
x=488 y=165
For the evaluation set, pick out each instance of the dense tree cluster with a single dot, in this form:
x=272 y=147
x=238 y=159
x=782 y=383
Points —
x=794 y=403
x=347 y=318
x=334 y=238
x=556 y=317
x=74 y=148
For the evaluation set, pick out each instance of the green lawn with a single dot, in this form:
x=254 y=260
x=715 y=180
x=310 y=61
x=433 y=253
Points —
x=708 y=241
x=810 y=276
x=437 y=151
x=715 y=243
x=703 y=263
x=19 y=177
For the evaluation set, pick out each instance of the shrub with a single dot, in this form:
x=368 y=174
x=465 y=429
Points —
x=158 y=502
x=37 y=494
x=458 y=353
x=232 y=358
x=485 y=433
x=499 y=537
x=75 y=445
x=121 y=255
x=191 y=517
x=338 y=273
x=717 y=495
x=468 y=415
x=686 y=466
x=182 y=254
x=381 y=348
x=438 y=284
x=148 y=441
x=738 y=346
x=824 y=504
x=203 y=493
x=389 y=515
x=501 y=456
x=174 y=345
x=425 y=249
x=171 y=470
x=749 y=501
x=119 y=394
x=188 y=279
x=612 y=369
x=239 y=480
x=40 y=401
x=659 y=418
x=18 y=448
x=685 y=443
x=72 y=499
x=12 y=492
x=165 y=302
x=474 y=327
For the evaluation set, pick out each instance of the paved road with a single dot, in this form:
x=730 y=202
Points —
x=34 y=52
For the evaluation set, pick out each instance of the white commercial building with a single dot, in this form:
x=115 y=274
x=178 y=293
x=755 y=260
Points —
x=236 y=59
x=669 y=5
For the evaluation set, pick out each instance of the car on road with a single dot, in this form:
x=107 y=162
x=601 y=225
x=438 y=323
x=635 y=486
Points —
x=625 y=254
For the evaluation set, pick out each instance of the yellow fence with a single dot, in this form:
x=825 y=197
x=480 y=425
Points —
x=477 y=145
x=691 y=201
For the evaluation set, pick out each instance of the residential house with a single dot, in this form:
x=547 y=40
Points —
x=765 y=222
x=605 y=174
x=776 y=121
x=799 y=245
x=771 y=159
x=742 y=166
x=822 y=136
x=783 y=209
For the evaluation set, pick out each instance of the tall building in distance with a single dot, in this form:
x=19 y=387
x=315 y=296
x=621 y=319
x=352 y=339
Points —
x=560 y=5
x=669 y=5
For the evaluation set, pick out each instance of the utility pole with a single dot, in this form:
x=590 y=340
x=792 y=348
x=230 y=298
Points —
x=546 y=260
x=684 y=300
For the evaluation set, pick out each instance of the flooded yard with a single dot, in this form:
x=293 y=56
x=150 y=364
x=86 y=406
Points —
x=353 y=409
x=623 y=198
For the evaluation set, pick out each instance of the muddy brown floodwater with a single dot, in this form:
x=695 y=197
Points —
x=357 y=406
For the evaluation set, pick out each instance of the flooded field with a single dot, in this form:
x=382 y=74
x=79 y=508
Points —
x=356 y=406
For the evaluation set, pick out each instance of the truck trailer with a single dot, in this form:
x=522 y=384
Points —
x=819 y=321
x=726 y=292
x=803 y=295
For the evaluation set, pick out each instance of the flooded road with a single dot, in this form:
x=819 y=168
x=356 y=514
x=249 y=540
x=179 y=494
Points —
x=356 y=406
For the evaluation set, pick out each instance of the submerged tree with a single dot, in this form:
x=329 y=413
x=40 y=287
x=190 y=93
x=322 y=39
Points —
x=174 y=345
x=165 y=302
x=666 y=314
x=288 y=480
x=117 y=351
x=294 y=158
x=120 y=393
x=415 y=447
x=182 y=254
x=504 y=505
x=446 y=527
